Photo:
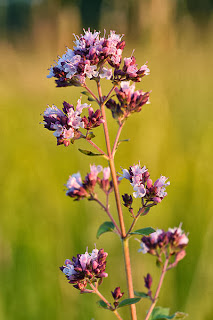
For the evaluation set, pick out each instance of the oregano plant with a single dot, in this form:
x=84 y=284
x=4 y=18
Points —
x=99 y=58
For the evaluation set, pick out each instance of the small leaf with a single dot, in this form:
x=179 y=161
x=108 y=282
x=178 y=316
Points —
x=86 y=93
x=127 y=302
x=91 y=99
x=141 y=294
x=180 y=315
x=159 y=313
x=89 y=153
x=125 y=140
x=102 y=304
x=107 y=226
x=144 y=231
x=90 y=136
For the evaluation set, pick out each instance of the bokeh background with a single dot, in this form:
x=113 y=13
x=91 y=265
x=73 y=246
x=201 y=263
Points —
x=39 y=225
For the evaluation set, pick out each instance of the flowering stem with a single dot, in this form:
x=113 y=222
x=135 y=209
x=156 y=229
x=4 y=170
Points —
x=109 y=215
x=116 y=139
x=95 y=290
x=92 y=94
x=154 y=301
x=118 y=204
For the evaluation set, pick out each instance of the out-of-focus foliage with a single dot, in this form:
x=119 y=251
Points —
x=40 y=227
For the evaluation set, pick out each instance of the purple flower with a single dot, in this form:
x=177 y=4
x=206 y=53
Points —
x=142 y=184
x=85 y=268
x=171 y=244
x=86 y=59
x=66 y=123
x=94 y=171
x=129 y=101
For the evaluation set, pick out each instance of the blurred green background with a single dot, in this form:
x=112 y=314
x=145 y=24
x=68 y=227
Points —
x=39 y=226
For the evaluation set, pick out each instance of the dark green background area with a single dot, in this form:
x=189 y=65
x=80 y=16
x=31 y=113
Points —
x=39 y=226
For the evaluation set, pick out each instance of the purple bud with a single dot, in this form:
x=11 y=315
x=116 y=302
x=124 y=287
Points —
x=117 y=294
x=148 y=281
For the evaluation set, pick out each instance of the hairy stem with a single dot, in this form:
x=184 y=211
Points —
x=118 y=204
x=95 y=290
x=163 y=272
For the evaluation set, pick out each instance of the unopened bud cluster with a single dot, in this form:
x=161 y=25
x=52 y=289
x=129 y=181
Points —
x=86 y=268
x=169 y=243
x=79 y=189
x=129 y=101
x=143 y=186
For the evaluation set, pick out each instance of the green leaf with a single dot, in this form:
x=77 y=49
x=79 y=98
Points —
x=89 y=153
x=179 y=315
x=91 y=99
x=127 y=302
x=107 y=226
x=86 y=93
x=144 y=231
x=102 y=304
x=141 y=294
x=124 y=140
x=90 y=136
x=160 y=313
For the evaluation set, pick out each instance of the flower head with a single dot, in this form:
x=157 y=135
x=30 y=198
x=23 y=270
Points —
x=85 y=268
x=66 y=123
x=86 y=59
x=170 y=243
x=129 y=101
x=139 y=178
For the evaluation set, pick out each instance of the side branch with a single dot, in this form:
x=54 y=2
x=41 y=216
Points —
x=96 y=291
x=158 y=289
x=116 y=139
x=109 y=215
x=99 y=149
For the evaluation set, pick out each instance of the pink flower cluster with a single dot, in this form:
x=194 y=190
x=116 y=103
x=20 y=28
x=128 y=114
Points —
x=129 y=101
x=79 y=190
x=130 y=71
x=87 y=58
x=66 y=123
x=139 y=178
x=85 y=268
x=170 y=243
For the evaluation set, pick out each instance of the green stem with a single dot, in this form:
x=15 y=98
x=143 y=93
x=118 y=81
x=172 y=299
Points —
x=96 y=291
x=158 y=289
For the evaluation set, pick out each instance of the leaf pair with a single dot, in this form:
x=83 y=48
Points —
x=108 y=226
